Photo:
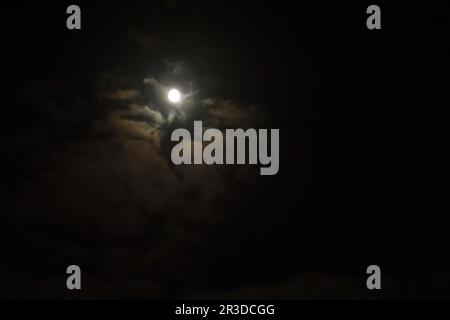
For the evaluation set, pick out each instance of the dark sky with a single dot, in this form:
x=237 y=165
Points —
x=85 y=150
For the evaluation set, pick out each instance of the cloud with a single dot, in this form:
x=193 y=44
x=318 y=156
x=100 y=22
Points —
x=176 y=68
x=146 y=113
x=152 y=82
x=110 y=200
x=225 y=113
x=120 y=94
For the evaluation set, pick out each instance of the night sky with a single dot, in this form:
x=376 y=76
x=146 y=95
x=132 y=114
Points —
x=87 y=177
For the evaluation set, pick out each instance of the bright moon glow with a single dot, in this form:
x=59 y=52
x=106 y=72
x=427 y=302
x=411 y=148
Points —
x=174 y=95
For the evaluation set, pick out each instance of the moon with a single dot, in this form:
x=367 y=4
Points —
x=174 y=95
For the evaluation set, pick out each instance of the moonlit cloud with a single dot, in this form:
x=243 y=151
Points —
x=120 y=94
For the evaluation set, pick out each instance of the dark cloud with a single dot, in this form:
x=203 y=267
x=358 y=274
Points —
x=113 y=201
x=120 y=94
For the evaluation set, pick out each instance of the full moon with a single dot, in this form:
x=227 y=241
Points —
x=174 y=95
